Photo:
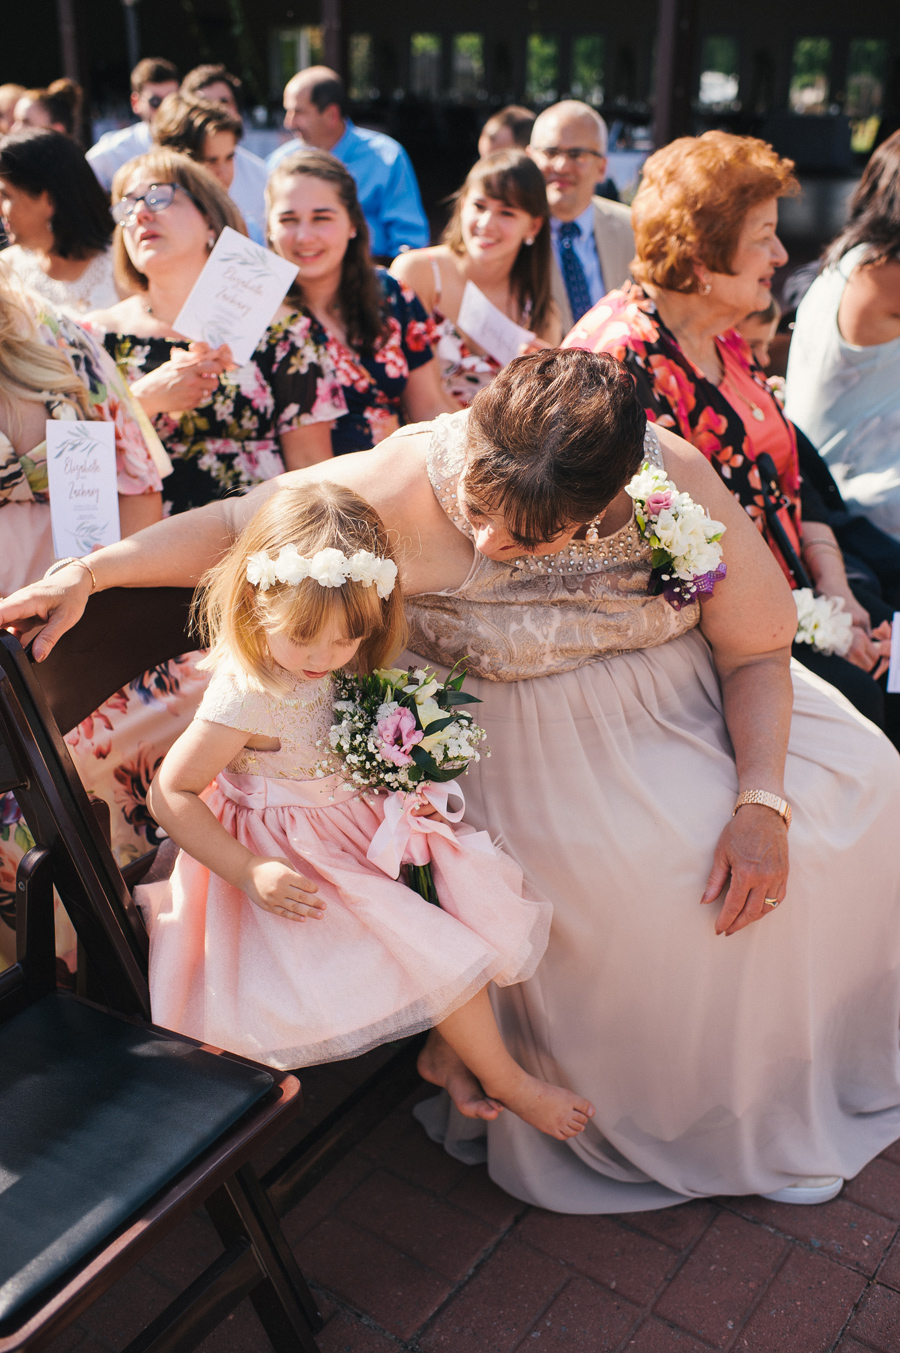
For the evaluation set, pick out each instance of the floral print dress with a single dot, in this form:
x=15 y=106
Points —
x=27 y=547
x=676 y=395
x=230 y=442
x=373 y=383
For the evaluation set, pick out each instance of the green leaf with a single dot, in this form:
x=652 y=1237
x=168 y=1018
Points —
x=462 y=698
x=438 y=725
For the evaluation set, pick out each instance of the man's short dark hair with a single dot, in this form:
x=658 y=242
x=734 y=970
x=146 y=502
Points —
x=201 y=77
x=153 y=70
x=325 y=92
x=519 y=121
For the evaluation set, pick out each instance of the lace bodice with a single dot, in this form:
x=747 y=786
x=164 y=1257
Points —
x=538 y=616
x=300 y=720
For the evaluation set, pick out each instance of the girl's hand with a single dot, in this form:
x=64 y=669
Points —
x=187 y=379
x=275 y=886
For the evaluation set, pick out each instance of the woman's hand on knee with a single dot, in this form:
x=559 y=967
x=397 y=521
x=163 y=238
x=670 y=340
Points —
x=274 y=885
x=752 y=860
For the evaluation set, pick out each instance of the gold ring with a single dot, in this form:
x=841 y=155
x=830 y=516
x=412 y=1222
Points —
x=771 y=901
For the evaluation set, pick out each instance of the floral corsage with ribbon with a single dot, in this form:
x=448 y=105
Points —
x=404 y=732
x=687 y=556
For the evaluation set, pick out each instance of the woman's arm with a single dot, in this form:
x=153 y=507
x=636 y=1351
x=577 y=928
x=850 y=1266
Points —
x=307 y=445
x=137 y=510
x=824 y=562
x=187 y=379
x=198 y=756
x=425 y=397
x=749 y=622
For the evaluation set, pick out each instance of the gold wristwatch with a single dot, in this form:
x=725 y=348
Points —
x=781 y=806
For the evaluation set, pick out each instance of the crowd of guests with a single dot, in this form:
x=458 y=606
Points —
x=672 y=295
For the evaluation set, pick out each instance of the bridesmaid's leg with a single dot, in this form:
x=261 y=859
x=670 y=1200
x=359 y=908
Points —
x=473 y=1034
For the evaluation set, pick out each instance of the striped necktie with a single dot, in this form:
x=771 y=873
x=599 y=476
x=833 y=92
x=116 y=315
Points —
x=572 y=271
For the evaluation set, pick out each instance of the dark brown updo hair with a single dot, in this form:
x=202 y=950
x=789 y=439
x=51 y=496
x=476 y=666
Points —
x=552 y=440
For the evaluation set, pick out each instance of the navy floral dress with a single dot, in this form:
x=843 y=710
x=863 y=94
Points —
x=230 y=442
x=373 y=384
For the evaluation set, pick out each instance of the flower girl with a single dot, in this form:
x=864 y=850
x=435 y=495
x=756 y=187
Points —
x=276 y=937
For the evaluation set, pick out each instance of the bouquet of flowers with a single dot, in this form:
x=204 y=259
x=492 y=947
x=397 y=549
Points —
x=687 y=556
x=402 y=731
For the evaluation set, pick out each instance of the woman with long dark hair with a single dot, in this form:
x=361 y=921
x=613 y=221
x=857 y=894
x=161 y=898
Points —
x=58 y=221
x=498 y=238
x=375 y=330
x=843 y=377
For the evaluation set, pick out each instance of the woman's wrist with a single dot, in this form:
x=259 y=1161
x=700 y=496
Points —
x=79 y=567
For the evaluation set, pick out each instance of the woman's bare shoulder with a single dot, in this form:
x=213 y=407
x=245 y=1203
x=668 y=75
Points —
x=119 y=318
x=392 y=476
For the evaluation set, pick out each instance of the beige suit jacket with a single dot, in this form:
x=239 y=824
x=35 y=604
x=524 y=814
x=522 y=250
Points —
x=615 y=250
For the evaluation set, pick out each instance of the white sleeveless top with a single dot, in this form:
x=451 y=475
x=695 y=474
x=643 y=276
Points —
x=847 y=399
x=95 y=289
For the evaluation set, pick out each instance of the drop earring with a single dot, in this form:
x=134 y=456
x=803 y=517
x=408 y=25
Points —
x=592 y=535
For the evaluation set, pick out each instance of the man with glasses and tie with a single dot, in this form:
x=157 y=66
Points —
x=593 y=243
x=151 y=80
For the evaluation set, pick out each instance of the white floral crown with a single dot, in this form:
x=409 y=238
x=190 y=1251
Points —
x=330 y=568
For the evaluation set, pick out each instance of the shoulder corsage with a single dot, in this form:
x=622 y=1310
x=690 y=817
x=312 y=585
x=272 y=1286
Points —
x=687 y=556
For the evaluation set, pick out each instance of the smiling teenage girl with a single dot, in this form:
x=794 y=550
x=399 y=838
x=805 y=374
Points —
x=498 y=238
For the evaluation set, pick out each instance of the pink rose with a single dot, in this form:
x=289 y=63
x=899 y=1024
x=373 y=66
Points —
x=658 y=501
x=398 y=734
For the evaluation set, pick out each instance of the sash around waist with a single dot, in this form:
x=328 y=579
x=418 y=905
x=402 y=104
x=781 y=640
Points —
x=263 y=791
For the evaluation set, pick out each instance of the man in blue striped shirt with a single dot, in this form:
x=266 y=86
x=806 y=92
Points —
x=315 y=111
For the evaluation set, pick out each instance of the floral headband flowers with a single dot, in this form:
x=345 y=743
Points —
x=330 y=568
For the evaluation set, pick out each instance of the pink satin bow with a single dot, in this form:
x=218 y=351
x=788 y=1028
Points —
x=402 y=837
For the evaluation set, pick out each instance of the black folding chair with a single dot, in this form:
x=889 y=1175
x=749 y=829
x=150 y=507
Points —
x=122 y=634
x=112 y=1131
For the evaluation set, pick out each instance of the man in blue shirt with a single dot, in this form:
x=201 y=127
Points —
x=315 y=111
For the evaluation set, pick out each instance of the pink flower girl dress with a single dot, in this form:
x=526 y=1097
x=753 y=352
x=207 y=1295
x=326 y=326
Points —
x=381 y=964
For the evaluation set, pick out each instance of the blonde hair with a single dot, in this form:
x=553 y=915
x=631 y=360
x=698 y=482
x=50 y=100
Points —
x=30 y=368
x=232 y=615
x=163 y=165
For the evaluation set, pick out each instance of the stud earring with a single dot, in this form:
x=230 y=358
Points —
x=706 y=288
x=529 y=240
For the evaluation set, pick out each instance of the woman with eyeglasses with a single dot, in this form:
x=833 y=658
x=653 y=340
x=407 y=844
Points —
x=498 y=238
x=226 y=428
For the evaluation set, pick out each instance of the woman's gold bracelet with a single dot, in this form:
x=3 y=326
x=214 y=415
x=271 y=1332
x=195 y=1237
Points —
x=64 y=563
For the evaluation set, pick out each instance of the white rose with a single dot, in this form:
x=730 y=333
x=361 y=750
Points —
x=329 y=568
x=385 y=577
x=291 y=567
x=392 y=675
x=361 y=567
x=261 y=571
x=424 y=693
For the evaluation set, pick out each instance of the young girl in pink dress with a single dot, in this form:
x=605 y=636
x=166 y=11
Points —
x=267 y=845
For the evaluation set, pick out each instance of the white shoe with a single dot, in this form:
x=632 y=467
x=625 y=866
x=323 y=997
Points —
x=807 y=1192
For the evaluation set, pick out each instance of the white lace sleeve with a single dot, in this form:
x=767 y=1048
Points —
x=228 y=701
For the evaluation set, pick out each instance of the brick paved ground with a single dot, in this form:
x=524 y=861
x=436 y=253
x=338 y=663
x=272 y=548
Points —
x=409 y=1250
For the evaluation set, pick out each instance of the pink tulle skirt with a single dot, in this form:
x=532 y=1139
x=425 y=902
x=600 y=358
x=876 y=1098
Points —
x=383 y=963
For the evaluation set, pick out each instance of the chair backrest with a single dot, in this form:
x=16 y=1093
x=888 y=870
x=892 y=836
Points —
x=124 y=632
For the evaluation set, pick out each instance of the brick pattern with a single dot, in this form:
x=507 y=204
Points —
x=411 y=1252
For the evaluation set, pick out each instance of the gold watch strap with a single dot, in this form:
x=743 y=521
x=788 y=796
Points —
x=781 y=806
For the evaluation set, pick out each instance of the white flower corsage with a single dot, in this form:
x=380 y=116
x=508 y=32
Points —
x=822 y=622
x=687 y=556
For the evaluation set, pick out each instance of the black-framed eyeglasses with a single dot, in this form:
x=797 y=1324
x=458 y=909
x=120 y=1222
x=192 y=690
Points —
x=157 y=197
x=577 y=154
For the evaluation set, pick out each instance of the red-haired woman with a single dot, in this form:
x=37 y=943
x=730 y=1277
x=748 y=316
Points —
x=705 y=221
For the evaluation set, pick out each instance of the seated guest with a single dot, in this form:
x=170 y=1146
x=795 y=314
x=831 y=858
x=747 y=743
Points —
x=50 y=369
x=705 y=219
x=9 y=97
x=593 y=244
x=375 y=330
x=225 y=428
x=57 y=219
x=498 y=238
x=508 y=128
x=315 y=112
x=151 y=80
x=248 y=186
x=207 y=132
x=843 y=376
x=56 y=108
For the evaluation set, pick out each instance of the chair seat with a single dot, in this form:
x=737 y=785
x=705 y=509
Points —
x=96 y=1116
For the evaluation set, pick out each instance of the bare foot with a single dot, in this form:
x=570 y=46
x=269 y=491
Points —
x=559 y=1113
x=439 y=1064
